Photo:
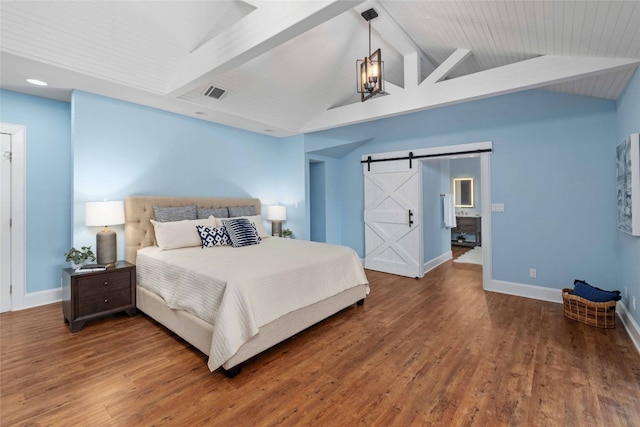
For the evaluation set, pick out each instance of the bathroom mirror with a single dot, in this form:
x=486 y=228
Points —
x=463 y=192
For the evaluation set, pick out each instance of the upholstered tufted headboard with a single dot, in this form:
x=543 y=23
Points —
x=138 y=210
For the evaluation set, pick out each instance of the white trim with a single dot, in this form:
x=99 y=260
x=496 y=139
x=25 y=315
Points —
x=485 y=213
x=36 y=299
x=439 y=260
x=629 y=324
x=18 y=211
x=526 y=291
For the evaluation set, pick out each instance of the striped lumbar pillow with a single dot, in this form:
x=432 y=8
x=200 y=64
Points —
x=241 y=232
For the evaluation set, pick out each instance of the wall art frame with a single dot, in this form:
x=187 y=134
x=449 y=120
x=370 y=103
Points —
x=628 y=184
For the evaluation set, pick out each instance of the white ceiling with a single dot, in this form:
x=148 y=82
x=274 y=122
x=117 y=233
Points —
x=289 y=66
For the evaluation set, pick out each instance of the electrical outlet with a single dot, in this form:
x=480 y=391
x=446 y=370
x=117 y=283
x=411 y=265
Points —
x=533 y=273
x=633 y=303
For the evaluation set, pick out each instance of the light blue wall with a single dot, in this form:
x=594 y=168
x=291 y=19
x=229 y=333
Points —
x=122 y=149
x=628 y=247
x=317 y=203
x=551 y=167
x=435 y=181
x=290 y=171
x=48 y=183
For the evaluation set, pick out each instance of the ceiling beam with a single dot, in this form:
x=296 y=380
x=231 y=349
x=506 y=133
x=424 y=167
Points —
x=270 y=25
x=528 y=74
x=455 y=59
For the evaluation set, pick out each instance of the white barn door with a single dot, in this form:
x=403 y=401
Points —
x=393 y=217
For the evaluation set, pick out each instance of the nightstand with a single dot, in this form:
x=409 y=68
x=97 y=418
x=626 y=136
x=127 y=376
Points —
x=90 y=296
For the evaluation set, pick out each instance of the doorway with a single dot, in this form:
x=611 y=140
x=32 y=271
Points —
x=466 y=185
x=479 y=149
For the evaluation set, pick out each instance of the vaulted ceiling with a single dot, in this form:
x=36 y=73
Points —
x=288 y=67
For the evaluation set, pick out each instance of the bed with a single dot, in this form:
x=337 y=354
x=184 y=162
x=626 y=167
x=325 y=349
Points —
x=243 y=316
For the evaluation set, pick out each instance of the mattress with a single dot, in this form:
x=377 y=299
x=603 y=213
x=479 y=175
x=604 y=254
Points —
x=238 y=290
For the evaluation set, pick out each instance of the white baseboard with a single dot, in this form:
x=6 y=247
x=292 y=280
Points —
x=36 y=299
x=629 y=324
x=527 y=291
x=555 y=295
x=441 y=259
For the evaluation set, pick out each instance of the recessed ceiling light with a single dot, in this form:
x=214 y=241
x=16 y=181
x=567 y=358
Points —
x=37 y=82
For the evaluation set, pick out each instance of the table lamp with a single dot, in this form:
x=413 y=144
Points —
x=104 y=214
x=276 y=214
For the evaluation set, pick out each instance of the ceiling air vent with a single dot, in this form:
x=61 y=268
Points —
x=214 y=92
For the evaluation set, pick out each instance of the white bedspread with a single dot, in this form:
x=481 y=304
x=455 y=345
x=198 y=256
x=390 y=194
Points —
x=240 y=289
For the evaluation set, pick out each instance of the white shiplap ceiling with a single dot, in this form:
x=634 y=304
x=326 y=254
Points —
x=289 y=66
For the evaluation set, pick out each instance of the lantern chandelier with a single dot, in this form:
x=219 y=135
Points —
x=369 y=70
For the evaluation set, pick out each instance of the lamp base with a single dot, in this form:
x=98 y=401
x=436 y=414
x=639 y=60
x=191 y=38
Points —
x=106 y=247
x=276 y=228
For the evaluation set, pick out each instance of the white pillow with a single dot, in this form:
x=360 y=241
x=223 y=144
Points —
x=180 y=234
x=255 y=219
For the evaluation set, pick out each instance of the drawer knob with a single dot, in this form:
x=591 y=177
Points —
x=106 y=300
x=106 y=282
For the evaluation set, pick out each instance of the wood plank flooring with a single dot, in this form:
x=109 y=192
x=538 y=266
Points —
x=437 y=351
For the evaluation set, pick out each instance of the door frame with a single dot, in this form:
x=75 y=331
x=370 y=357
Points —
x=452 y=152
x=18 y=213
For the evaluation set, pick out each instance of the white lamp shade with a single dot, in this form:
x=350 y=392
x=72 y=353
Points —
x=100 y=214
x=276 y=213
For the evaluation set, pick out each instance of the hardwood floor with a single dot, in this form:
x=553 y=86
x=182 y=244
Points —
x=436 y=351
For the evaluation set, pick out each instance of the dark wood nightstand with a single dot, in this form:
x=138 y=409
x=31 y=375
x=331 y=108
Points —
x=90 y=296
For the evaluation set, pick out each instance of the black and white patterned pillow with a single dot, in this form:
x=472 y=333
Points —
x=241 y=232
x=213 y=236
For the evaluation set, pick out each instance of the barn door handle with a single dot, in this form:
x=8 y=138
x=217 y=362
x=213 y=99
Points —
x=410 y=218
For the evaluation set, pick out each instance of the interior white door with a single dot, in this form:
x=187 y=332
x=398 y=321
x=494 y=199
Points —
x=5 y=218
x=393 y=217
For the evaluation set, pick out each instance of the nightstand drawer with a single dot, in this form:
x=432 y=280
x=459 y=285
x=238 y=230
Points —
x=109 y=299
x=96 y=285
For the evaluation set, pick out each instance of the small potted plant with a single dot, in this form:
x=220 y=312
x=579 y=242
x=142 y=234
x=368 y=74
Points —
x=286 y=233
x=80 y=257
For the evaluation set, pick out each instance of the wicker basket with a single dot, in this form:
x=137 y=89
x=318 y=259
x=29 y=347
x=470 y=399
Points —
x=599 y=314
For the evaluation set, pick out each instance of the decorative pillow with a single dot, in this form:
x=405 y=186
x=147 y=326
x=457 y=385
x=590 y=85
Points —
x=180 y=234
x=213 y=236
x=241 y=232
x=256 y=220
x=178 y=213
x=235 y=211
x=584 y=290
x=217 y=212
